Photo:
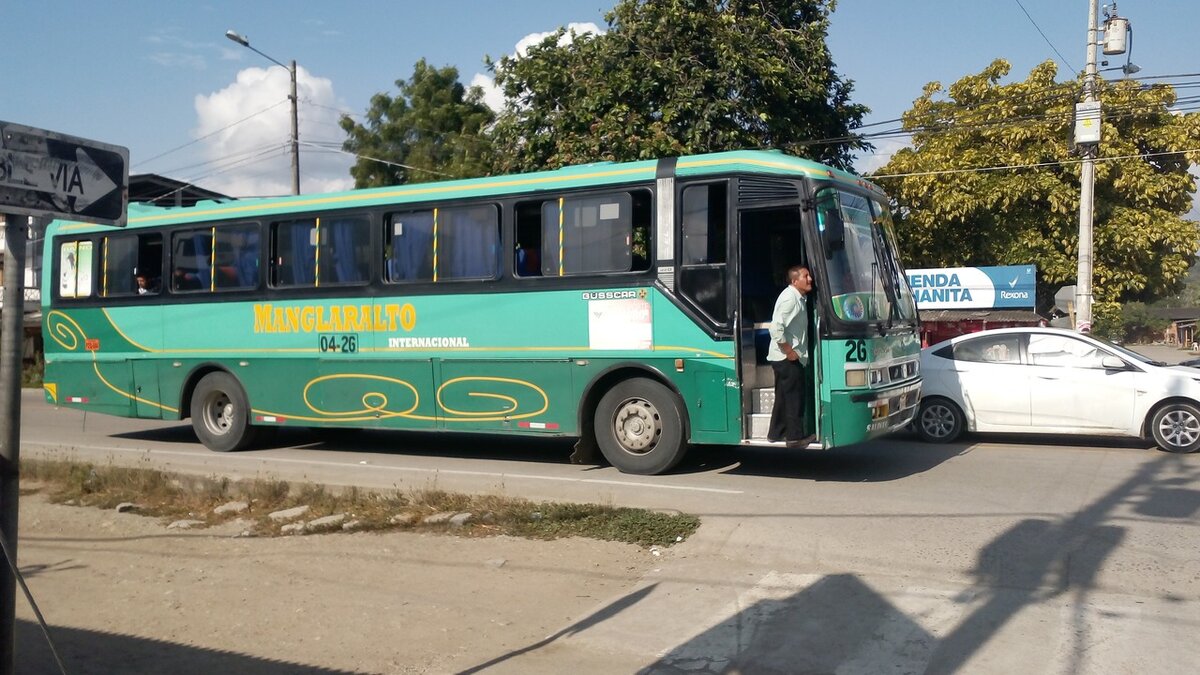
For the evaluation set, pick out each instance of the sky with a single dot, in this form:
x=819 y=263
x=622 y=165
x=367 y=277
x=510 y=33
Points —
x=162 y=79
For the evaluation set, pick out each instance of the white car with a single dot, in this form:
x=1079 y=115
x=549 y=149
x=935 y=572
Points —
x=1052 y=381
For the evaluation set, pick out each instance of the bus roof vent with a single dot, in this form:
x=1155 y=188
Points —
x=756 y=190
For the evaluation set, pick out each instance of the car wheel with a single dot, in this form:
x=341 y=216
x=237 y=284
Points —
x=639 y=427
x=939 y=420
x=1176 y=427
x=221 y=413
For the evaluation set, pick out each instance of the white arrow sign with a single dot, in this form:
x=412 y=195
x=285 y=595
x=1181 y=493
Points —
x=80 y=179
x=45 y=173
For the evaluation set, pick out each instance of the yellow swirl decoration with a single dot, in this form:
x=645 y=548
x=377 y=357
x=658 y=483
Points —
x=504 y=413
x=374 y=403
x=62 y=328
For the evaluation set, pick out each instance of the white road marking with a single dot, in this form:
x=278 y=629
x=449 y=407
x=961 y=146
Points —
x=455 y=472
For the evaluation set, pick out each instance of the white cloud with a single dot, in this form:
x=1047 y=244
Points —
x=492 y=95
x=248 y=150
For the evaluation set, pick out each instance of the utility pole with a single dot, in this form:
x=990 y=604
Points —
x=295 y=134
x=1087 y=113
x=12 y=332
x=295 y=138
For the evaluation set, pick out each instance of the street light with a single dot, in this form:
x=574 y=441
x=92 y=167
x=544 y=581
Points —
x=245 y=42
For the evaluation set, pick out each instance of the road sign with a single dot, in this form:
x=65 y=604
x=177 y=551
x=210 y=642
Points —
x=45 y=173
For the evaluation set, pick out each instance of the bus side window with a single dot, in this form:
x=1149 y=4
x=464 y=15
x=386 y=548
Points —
x=527 y=258
x=594 y=234
x=128 y=257
x=410 y=246
x=345 y=250
x=468 y=243
x=191 y=260
x=236 y=252
x=294 y=253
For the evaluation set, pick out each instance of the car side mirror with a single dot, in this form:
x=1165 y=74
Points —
x=1112 y=363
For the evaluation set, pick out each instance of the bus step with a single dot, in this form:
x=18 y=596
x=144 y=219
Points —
x=759 y=424
x=763 y=400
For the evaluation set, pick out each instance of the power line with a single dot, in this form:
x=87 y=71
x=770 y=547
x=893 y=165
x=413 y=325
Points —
x=227 y=126
x=1039 y=30
x=986 y=169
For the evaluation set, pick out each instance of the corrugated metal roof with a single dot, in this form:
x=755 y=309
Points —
x=983 y=314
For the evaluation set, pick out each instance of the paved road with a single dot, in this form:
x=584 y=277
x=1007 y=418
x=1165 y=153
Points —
x=983 y=557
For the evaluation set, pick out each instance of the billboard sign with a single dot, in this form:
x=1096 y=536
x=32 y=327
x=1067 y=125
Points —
x=48 y=174
x=1007 y=287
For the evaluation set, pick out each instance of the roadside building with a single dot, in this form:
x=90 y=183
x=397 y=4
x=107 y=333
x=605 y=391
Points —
x=1182 y=328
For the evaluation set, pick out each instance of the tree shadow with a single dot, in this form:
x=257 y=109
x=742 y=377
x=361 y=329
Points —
x=86 y=651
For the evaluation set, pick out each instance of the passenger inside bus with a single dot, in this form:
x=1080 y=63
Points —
x=146 y=285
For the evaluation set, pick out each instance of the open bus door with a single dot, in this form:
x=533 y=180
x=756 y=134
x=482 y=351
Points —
x=771 y=241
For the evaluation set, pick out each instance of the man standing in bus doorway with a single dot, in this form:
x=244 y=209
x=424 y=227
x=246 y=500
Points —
x=788 y=354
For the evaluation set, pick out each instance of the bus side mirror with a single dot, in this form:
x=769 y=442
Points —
x=833 y=236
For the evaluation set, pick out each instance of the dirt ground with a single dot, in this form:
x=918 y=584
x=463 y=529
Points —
x=123 y=594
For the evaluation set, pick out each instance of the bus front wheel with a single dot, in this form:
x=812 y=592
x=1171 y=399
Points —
x=639 y=427
x=221 y=413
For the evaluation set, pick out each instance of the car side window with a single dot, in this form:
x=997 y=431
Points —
x=989 y=349
x=1064 y=352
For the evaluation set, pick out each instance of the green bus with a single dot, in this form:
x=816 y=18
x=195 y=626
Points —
x=625 y=305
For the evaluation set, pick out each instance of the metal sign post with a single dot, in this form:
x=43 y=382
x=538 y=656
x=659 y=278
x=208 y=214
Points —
x=42 y=174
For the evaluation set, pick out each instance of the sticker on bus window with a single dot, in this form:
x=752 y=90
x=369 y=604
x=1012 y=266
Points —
x=67 y=255
x=610 y=211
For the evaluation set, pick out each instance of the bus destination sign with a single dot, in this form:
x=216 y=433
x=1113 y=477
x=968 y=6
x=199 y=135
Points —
x=48 y=174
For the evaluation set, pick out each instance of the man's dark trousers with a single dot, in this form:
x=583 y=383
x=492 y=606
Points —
x=787 y=417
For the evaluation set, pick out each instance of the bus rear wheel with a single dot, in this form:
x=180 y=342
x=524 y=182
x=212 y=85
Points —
x=221 y=413
x=639 y=427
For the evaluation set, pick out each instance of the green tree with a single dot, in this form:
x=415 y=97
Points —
x=671 y=77
x=957 y=207
x=1138 y=324
x=433 y=130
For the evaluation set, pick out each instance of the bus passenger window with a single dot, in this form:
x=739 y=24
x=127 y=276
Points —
x=410 y=247
x=294 y=251
x=595 y=235
x=468 y=243
x=128 y=258
x=237 y=254
x=527 y=256
x=345 y=250
x=191 y=260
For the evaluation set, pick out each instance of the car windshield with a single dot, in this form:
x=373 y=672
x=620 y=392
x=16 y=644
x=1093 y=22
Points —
x=1128 y=352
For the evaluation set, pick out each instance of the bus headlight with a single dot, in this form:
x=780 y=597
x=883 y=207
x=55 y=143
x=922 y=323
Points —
x=856 y=378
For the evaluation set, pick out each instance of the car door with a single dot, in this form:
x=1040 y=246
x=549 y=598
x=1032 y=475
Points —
x=1071 y=390
x=994 y=384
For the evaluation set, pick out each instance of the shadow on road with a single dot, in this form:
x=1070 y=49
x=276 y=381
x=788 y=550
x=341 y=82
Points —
x=87 y=651
x=838 y=623
x=883 y=460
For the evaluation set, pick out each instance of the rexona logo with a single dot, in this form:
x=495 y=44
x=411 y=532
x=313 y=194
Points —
x=974 y=287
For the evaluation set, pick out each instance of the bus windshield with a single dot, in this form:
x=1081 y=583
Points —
x=865 y=278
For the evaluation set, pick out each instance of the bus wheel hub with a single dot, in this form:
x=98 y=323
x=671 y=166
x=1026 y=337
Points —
x=637 y=425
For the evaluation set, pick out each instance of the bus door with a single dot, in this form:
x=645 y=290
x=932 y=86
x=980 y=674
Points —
x=770 y=241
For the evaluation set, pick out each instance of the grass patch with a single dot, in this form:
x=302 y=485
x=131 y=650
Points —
x=178 y=497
